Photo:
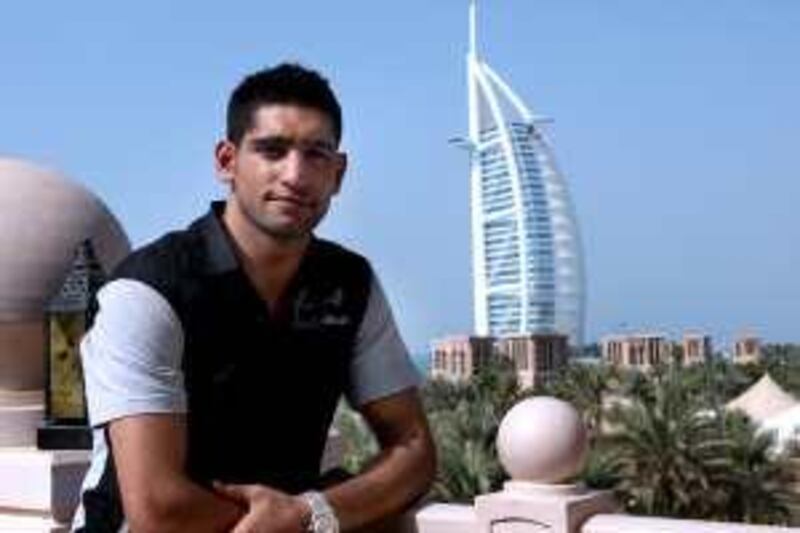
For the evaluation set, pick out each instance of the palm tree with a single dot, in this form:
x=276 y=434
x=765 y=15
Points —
x=441 y=395
x=601 y=471
x=751 y=483
x=465 y=419
x=586 y=387
x=658 y=447
x=468 y=464
x=360 y=446
x=676 y=456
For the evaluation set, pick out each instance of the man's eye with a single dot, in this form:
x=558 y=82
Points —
x=318 y=153
x=273 y=151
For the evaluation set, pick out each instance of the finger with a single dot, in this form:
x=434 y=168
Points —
x=234 y=492
x=245 y=525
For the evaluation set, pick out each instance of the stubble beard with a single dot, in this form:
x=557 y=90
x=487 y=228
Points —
x=266 y=224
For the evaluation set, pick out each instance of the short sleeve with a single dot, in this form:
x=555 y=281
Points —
x=381 y=364
x=132 y=354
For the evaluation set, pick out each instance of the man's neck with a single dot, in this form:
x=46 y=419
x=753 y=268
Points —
x=269 y=262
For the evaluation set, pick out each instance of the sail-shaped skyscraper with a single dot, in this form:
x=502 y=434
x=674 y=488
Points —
x=528 y=273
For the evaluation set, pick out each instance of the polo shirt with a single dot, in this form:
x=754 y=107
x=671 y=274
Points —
x=180 y=329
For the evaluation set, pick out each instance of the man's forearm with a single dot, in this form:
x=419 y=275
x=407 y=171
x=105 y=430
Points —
x=157 y=494
x=396 y=477
x=178 y=505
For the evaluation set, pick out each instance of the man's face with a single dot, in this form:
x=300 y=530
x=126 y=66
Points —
x=285 y=170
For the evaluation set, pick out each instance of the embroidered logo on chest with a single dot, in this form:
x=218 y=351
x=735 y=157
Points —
x=320 y=309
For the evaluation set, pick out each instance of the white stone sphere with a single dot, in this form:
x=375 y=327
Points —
x=542 y=440
x=43 y=219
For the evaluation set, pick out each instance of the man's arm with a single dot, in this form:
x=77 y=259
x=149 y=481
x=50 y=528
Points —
x=402 y=471
x=157 y=496
x=383 y=387
x=134 y=387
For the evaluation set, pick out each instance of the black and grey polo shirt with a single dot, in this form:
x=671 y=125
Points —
x=180 y=329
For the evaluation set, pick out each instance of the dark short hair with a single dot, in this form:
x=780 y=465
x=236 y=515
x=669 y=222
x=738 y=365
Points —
x=287 y=83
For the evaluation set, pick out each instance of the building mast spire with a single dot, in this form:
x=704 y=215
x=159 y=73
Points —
x=473 y=28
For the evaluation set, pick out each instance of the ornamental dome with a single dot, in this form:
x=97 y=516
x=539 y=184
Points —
x=43 y=219
x=542 y=440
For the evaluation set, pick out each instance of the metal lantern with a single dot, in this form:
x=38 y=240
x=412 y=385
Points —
x=69 y=315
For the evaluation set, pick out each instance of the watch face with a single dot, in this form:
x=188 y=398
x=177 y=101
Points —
x=324 y=524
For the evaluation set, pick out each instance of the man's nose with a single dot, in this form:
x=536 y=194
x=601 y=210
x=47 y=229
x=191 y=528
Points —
x=296 y=170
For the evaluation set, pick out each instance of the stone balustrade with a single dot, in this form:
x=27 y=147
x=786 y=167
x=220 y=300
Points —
x=614 y=523
x=541 y=443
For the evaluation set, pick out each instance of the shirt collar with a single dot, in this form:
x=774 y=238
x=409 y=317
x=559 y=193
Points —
x=219 y=254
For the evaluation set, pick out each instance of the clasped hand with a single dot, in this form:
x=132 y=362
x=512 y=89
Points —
x=267 y=510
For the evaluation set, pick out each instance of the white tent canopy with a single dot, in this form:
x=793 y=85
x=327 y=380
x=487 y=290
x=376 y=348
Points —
x=784 y=426
x=763 y=401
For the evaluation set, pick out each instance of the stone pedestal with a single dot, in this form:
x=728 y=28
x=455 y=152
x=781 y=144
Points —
x=524 y=507
x=30 y=523
x=446 y=518
x=39 y=490
x=20 y=414
x=542 y=443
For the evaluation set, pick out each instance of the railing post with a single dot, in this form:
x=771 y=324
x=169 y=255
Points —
x=542 y=442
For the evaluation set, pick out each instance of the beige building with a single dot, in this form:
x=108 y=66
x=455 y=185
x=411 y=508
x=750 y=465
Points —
x=535 y=357
x=746 y=349
x=641 y=351
x=697 y=348
x=457 y=358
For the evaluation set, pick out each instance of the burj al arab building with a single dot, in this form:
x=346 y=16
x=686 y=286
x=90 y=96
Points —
x=528 y=270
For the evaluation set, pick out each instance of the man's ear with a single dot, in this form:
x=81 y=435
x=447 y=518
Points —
x=340 y=171
x=225 y=161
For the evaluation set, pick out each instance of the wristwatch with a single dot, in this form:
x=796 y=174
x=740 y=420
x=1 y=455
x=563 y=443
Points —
x=323 y=519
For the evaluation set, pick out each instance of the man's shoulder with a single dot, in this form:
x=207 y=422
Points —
x=162 y=263
x=339 y=256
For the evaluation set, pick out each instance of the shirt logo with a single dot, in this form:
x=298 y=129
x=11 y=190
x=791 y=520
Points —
x=316 y=311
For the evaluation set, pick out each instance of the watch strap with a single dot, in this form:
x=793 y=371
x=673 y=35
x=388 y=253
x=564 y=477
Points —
x=323 y=519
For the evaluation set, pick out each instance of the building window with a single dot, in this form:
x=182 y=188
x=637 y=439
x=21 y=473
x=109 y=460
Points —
x=749 y=346
x=522 y=361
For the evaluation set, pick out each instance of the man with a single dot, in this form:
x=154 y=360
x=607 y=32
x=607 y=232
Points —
x=219 y=353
